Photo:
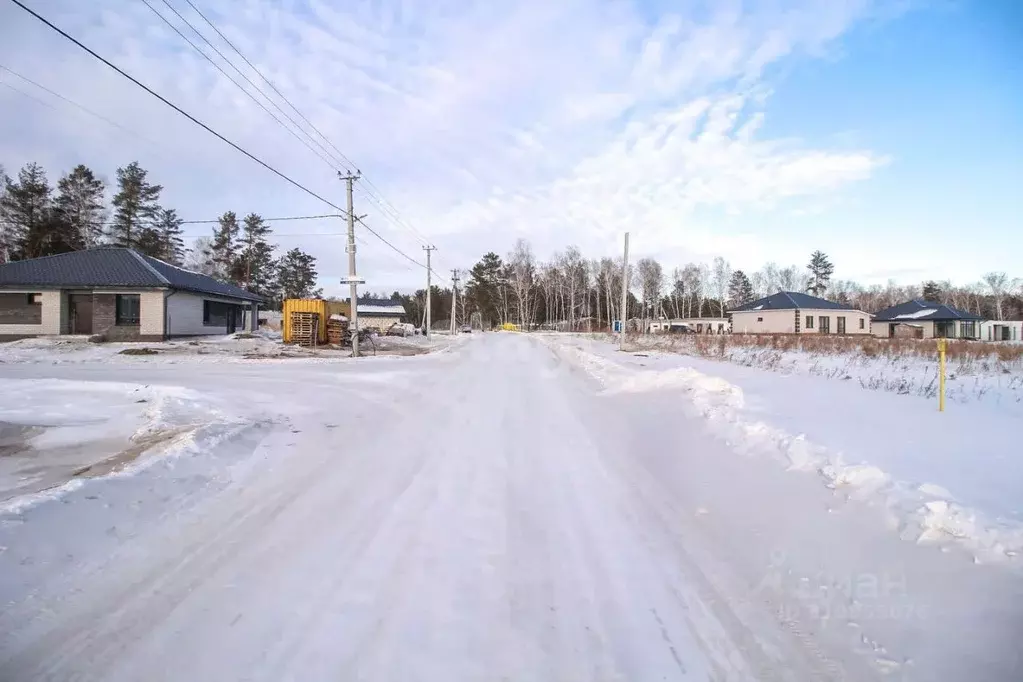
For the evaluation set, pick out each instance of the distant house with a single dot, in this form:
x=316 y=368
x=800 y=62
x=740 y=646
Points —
x=380 y=313
x=926 y=320
x=1001 y=330
x=696 y=325
x=791 y=312
x=119 y=294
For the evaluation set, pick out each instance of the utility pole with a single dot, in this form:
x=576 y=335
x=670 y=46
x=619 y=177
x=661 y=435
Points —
x=352 y=277
x=428 y=249
x=454 y=298
x=625 y=294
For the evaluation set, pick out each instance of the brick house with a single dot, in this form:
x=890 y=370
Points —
x=926 y=320
x=791 y=312
x=119 y=294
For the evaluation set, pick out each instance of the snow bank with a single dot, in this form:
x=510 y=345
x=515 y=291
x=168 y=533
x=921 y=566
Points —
x=921 y=511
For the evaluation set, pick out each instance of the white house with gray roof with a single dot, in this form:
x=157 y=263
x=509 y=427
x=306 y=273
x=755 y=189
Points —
x=118 y=294
x=926 y=320
x=792 y=312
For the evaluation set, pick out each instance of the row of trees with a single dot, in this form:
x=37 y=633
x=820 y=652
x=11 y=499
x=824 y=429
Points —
x=37 y=220
x=574 y=292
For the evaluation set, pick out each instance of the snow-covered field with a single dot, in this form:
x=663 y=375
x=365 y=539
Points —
x=990 y=380
x=517 y=507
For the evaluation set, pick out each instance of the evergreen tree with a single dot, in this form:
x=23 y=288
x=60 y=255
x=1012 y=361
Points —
x=27 y=214
x=821 y=270
x=79 y=207
x=255 y=264
x=931 y=291
x=296 y=275
x=171 y=244
x=136 y=206
x=225 y=246
x=4 y=225
x=740 y=289
x=483 y=289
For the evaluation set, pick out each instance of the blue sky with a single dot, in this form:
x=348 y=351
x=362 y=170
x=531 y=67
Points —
x=887 y=134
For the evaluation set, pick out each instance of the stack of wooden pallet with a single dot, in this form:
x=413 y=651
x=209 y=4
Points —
x=305 y=328
x=336 y=332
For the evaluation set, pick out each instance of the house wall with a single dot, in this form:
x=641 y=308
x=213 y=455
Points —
x=20 y=316
x=184 y=315
x=381 y=322
x=882 y=329
x=784 y=321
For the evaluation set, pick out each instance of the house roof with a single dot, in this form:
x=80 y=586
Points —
x=112 y=267
x=791 y=300
x=380 y=306
x=922 y=310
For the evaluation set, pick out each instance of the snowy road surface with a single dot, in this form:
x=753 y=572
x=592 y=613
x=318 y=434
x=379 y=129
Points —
x=486 y=513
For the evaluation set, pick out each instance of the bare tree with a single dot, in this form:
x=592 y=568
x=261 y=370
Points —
x=693 y=277
x=720 y=275
x=651 y=281
x=998 y=284
x=521 y=267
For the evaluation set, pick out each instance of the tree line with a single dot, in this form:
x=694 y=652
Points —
x=569 y=291
x=38 y=220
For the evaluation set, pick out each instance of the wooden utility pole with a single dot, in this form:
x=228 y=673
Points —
x=625 y=295
x=454 y=298
x=353 y=286
x=428 y=249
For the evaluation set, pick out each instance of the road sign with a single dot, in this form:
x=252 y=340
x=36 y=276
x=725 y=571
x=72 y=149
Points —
x=352 y=280
x=618 y=326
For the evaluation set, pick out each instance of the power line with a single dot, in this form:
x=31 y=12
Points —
x=272 y=86
x=178 y=109
x=331 y=162
x=395 y=217
x=69 y=101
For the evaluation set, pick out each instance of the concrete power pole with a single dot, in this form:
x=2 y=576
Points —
x=454 y=298
x=625 y=294
x=352 y=276
x=428 y=249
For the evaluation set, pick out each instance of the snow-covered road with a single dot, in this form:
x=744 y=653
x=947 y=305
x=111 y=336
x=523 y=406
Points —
x=486 y=513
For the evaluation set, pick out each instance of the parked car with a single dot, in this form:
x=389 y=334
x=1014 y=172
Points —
x=466 y=329
x=680 y=329
x=401 y=329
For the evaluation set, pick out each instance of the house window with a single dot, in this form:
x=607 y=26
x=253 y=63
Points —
x=699 y=328
x=968 y=329
x=841 y=325
x=216 y=314
x=945 y=330
x=760 y=319
x=825 y=324
x=809 y=321
x=861 y=323
x=127 y=309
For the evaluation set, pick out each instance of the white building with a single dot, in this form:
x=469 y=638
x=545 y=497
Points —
x=791 y=312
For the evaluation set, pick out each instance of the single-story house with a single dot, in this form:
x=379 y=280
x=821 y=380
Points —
x=119 y=294
x=380 y=313
x=1001 y=330
x=698 y=325
x=926 y=320
x=791 y=312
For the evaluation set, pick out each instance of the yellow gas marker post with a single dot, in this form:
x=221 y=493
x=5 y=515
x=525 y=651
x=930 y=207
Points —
x=942 y=347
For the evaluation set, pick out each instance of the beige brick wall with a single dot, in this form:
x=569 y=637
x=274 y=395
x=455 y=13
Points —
x=50 y=318
x=784 y=321
x=151 y=313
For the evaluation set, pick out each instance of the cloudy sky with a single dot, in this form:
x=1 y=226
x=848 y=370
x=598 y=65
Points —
x=888 y=134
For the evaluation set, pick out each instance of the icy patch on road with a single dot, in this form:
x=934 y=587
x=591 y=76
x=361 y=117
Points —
x=922 y=512
x=59 y=434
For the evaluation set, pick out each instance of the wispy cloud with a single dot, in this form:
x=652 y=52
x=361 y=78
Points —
x=560 y=122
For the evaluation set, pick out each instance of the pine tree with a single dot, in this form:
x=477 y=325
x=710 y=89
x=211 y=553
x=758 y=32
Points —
x=255 y=263
x=931 y=291
x=171 y=244
x=296 y=275
x=821 y=270
x=740 y=289
x=225 y=246
x=136 y=206
x=483 y=289
x=79 y=207
x=27 y=214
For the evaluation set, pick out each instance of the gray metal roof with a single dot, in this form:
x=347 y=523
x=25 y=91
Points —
x=917 y=310
x=791 y=300
x=115 y=268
